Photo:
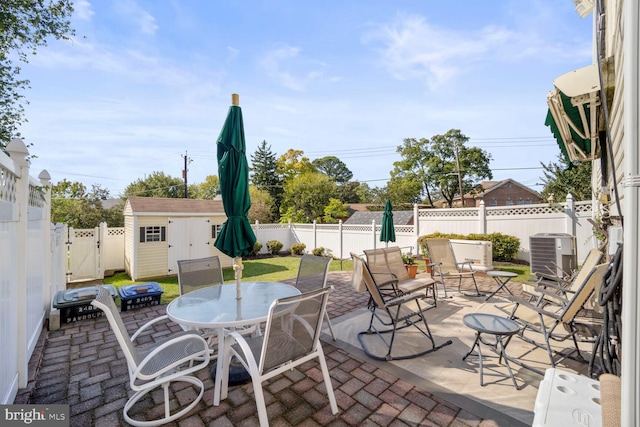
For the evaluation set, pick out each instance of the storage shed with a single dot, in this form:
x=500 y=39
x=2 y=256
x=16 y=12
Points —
x=158 y=232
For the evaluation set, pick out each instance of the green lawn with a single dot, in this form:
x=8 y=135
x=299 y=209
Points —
x=274 y=269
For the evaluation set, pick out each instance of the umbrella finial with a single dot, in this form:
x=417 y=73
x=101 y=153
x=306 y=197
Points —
x=235 y=99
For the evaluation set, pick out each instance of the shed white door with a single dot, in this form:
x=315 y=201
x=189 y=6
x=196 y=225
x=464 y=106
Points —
x=188 y=238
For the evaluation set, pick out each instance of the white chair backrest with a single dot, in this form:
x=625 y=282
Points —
x=104 y=301
x=198 y=273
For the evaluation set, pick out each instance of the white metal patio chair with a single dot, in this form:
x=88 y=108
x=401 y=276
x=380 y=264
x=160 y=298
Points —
x=291 y=338
x=312 y=275
x=173 y=359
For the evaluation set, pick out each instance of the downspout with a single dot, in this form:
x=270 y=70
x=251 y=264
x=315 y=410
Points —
x=630 y=393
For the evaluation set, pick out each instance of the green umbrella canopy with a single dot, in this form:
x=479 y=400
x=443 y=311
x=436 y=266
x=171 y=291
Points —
x=236 y=238
x=387 y=231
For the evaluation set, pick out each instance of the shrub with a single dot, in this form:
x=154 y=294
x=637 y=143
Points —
x=503 y=246
x=298 y=248
x=274 y=247
x=322 y=252
x=257 y=247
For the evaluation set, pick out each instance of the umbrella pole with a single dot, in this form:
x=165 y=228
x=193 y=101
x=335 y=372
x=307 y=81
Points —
x=237 y=268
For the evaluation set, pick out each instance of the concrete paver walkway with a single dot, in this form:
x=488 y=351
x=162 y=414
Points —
x=81 y=365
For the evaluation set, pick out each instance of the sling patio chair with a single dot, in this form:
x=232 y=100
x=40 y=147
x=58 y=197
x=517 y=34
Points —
x=561 y=288
x=445 y=266
x=171 y=360
x=387 y=264
x=545 y=316
x=291 y=338
x=312 y=275
x=197 y=273
x=392 y=313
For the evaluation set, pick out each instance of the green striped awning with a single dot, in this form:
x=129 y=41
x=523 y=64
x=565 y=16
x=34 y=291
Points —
x=572 y=115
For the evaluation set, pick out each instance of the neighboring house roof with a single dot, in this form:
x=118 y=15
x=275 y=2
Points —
x=160 y=205
x=490 y=186
x=399 y=218
x=110 y=203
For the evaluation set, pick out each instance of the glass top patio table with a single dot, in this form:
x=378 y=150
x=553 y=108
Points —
x=216 y=307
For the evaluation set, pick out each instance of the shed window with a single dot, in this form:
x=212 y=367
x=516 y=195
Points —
x=153 y=234
x=508 y=202
x=215 y=230
x=493 y=202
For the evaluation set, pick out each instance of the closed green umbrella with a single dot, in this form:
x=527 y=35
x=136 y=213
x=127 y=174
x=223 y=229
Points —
x=236 y=238
x=387 y=231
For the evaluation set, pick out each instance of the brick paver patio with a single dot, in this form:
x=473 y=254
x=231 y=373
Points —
x=81 y=365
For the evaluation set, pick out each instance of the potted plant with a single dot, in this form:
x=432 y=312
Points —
x=410 y=263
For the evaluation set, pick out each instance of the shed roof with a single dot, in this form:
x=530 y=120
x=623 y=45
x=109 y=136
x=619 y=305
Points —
x=168 y=205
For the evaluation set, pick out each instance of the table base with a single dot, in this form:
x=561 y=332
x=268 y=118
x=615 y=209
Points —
x=238 y=375
x=499 y=348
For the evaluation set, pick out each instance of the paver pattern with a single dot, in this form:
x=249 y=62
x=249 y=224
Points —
x=81 y=365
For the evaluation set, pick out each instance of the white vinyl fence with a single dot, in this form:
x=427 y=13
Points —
x=32 y=267
x=520 y=221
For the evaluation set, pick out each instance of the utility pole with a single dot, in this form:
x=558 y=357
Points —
x=187 y=160
x=455 y=145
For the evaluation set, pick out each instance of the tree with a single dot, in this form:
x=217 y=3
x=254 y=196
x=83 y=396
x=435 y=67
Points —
x=261 y=206
x=205 y=190
x=264 y=176
x=305 y=197
x=334 y=211
x=25 y=26
x=443 y=165
x=403 y=190
x=156 y=185
x=71 y=204
x=559 y=180
x=334 y=168
x=293 y=163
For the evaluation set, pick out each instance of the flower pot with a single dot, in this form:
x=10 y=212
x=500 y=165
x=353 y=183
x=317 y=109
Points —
x=427 y=261
x=412 y=270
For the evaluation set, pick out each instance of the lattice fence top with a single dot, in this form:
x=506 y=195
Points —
x=83 y=233
x=7 y=185
x=515 y=210
x=119 y=231
x=36 y=196
x=444 y=213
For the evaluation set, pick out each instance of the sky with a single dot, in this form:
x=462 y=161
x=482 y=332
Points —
x=145 y=83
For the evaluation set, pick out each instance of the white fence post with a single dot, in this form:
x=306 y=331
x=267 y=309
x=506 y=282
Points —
x=340 y=235
x=416 y=228
x=373 y=233
x=570 y=211
x=482 y=218
x=45 y=180
x=18 y=153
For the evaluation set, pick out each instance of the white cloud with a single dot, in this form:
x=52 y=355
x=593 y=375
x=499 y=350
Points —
x=140 y=18
x=82 y=10
x=281 y=64
x=411 y=48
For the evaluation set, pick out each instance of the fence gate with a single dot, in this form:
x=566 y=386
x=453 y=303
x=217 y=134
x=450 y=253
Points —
x=84 y=255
